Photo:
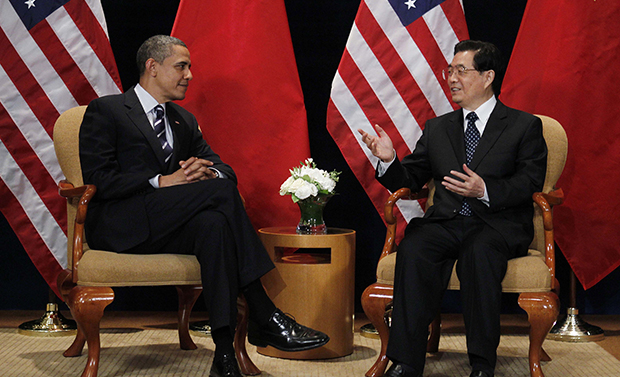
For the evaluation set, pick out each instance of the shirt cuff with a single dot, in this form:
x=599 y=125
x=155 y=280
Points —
x=218 y=173
x=155 y=181
x=382 y=167
x=485 y=198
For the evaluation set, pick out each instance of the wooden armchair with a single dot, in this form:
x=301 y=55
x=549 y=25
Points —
x=532 y=276
x=86 y=286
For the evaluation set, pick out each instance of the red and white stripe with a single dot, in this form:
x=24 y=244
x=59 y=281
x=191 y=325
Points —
x=64 y=61
x=391 y=75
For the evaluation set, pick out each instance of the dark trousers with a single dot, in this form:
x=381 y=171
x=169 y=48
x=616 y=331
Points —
x=424 y=264
x=208 y=219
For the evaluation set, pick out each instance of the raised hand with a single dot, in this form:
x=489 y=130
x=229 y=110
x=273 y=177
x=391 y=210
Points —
x=381 y=145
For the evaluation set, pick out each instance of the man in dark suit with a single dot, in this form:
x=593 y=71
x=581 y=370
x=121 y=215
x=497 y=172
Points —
x=486 y=161
x=162 y=189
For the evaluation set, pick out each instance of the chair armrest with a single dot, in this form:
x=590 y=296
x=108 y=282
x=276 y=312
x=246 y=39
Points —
x=546 y=202
x=85 y=193
x=390 y=237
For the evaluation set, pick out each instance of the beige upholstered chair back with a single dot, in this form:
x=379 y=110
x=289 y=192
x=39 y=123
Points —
x=67 y=147
x=557 y=145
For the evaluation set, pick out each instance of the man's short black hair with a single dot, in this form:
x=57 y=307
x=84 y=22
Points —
x=158 y=47
x=487 y=57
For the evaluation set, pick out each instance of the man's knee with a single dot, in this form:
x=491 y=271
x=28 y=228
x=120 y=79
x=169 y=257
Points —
x=208 y=221
x=420 y=246
x=484 y=261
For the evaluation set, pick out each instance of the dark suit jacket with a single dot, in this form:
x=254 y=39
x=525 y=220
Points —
x=511 y=157
x=119 y=153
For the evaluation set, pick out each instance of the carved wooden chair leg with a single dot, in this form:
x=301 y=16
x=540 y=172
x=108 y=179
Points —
x=433 y=337
x=87 y=305
x=544 y=356
x=542 y=310
x=76 y=348
x=245 y=363
x=374 y=300
x=65 y=284
x=188 y=294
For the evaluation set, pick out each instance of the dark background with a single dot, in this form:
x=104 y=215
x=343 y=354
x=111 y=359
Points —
x=319 y=30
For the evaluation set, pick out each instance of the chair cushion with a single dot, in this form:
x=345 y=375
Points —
x=107 y=269
x=525 y=274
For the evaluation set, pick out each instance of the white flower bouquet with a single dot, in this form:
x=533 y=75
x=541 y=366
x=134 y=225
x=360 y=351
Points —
x=309 y=181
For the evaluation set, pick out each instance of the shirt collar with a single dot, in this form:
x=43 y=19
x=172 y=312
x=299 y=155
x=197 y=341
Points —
x=484 y=113
x=146 y=99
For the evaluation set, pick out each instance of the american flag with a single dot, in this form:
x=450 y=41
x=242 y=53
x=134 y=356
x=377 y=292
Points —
x=390 y=74
x=54 y=55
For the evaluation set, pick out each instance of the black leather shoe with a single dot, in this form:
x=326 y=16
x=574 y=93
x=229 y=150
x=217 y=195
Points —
x=400 y=370
x=226 y=366
x=283 y=333
x=480 y=373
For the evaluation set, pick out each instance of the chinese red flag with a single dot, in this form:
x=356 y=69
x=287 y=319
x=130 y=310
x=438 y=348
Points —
x=247 y=97
x=565 y=65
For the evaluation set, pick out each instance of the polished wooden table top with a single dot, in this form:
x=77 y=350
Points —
x=291 y=230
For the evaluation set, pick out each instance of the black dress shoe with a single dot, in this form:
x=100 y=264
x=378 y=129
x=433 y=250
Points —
x=401 y=370
x=480 y=373
x=283 y=333
x=225 y=366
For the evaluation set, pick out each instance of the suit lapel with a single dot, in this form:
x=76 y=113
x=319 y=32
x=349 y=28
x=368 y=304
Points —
x=136 y=114
x=456 y=135
x=495 y=126
x=178 y=133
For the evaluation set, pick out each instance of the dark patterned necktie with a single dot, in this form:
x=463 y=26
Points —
x=160 y=129
x=472 y=137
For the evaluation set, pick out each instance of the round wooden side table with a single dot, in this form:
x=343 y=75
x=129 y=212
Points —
x=314 y=281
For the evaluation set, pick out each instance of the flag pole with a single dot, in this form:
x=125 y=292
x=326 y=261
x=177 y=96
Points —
x=51 y=323
x=572 y=328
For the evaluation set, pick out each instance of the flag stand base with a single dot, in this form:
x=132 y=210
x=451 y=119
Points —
x=201 y=328
x=52 y=323
x=369 y=331
x=574 y=329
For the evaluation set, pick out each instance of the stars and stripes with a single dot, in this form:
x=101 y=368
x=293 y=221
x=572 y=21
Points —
x=54 y=55
x=390 y=74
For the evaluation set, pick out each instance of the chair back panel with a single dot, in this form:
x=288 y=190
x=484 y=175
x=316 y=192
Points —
x=557 y=147
x=67 y=147
x=67 y=143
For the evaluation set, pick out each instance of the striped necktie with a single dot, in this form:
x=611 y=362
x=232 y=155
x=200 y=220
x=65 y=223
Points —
x=160 y=129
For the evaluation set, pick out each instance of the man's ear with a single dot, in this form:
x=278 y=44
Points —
x=151 y=67
x=489 y=77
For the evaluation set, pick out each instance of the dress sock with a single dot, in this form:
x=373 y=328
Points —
x=223 y=339
x=259 y=304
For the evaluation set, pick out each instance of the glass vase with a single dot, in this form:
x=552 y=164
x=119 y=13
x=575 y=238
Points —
x=311 y=220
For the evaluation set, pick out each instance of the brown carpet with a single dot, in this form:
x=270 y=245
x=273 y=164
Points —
x=148 y=346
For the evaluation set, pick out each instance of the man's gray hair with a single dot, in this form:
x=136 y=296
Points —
x=158 y=47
